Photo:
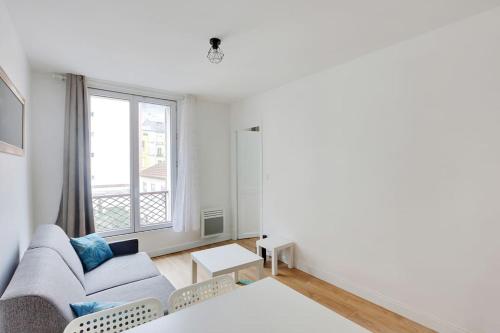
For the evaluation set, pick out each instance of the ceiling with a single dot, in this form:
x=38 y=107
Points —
x=162 y=44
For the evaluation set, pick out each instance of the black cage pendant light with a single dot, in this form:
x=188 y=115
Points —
x=215 y=54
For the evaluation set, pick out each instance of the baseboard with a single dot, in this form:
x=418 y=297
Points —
x=248 y=235
x=393 y=305
x=190 y=245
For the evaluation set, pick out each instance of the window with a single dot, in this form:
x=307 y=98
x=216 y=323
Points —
x=124 y=130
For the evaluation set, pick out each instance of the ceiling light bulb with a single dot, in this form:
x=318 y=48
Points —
x=215 y=54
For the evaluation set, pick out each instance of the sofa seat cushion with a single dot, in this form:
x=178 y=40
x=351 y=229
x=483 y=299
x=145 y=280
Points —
x=157 y=287
x=53 y=237
x=118 y=271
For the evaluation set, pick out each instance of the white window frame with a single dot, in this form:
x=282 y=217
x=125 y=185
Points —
x=135 y=143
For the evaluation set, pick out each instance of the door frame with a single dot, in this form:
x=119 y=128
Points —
x=261 y=220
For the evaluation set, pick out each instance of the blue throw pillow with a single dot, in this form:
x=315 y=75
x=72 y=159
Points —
x=85 y=308
x=92 y=249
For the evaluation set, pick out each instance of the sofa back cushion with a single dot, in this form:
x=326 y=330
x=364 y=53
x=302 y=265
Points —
x=39 y=294
x=53 y=237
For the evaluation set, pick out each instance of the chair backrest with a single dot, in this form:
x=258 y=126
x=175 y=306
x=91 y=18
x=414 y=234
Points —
x=117 y=319
x=199 y=292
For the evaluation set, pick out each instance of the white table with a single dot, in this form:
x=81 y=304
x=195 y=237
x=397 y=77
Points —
x=275 y=245
x=225 y=259
x=266 y=306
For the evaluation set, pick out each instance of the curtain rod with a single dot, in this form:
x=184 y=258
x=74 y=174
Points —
x=126 y=88
x=58 y=76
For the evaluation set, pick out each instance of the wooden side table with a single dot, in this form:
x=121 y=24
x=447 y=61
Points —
x=275 y=244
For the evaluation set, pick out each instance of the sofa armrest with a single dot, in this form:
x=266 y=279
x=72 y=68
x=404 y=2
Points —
x=125 y=247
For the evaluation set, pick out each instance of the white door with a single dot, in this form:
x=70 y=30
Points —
x=249 y=183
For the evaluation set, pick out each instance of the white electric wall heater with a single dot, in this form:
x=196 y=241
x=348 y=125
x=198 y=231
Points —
x=212 y=222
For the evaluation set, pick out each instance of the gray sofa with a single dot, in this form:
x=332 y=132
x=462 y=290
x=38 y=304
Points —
x=50 y=277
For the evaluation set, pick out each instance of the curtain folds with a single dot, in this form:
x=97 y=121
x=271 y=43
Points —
x=76 y=215
x=186 y=212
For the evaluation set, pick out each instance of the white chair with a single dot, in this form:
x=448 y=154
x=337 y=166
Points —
x=117 y=319
x=199 y=292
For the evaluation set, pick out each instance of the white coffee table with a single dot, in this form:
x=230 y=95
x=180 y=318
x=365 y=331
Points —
x=225 y=259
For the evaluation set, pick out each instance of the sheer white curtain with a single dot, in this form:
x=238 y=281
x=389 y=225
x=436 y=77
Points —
x=186 y=214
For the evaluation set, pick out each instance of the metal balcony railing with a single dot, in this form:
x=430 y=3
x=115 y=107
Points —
x=113 y=211
x=153 y=207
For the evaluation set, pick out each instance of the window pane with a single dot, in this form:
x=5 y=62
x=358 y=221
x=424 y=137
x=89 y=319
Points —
x=110 y=163
x=154 y=164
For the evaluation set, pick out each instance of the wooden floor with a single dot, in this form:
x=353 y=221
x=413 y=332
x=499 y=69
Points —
x=177 y=267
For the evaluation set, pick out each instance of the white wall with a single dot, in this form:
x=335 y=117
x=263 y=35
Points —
x=385 y=171
x=48 y=96
x=15 y=208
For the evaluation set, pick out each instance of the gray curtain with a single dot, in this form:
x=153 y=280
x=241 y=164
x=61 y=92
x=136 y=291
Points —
x=76 y=215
